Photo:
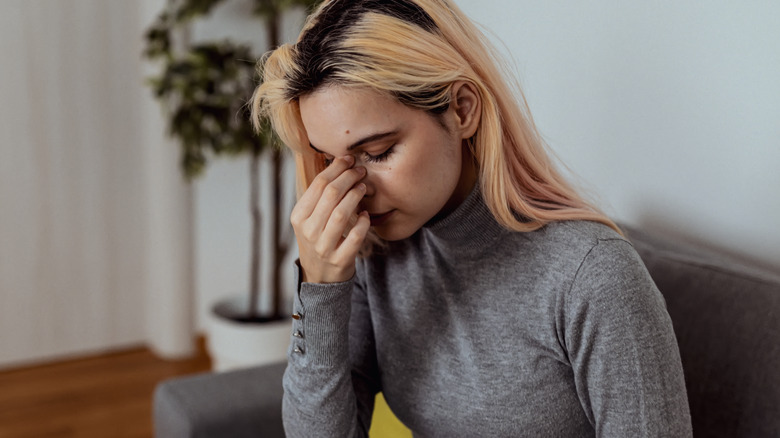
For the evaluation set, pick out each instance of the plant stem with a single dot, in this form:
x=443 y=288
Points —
x=254 y=202
x=279 y=249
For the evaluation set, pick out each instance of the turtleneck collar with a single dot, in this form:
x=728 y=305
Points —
x=470 y=226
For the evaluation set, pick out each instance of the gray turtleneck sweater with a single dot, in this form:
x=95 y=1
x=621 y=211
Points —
x=471 y=330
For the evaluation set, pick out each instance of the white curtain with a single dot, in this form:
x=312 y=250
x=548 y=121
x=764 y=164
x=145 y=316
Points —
x=95 y=219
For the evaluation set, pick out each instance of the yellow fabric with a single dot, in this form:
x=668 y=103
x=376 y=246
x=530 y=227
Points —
x=384 y=424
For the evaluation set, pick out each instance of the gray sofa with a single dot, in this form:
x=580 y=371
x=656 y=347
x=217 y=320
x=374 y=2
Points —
x=726 y=316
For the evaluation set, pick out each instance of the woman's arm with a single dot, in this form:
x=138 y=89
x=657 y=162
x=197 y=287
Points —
x=622 y=348
x=319 y=398
x=331 y=379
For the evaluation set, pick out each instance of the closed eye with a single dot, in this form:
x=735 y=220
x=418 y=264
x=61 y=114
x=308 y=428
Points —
x=379 y=158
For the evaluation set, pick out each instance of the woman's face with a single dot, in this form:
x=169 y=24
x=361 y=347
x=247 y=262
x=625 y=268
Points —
x=417 y=169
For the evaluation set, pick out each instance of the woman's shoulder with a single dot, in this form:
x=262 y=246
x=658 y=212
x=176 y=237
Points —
x=602 y=255
x=580 y=231
x=576 y=236
x=565 y=246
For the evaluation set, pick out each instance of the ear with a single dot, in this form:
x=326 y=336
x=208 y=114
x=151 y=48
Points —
x=467 y=106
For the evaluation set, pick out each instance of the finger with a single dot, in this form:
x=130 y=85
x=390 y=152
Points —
x=354 y=241
x=339 y=222
x=333 y=195
x=308 y=201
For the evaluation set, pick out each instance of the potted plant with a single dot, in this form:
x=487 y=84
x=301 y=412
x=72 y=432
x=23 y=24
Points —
x=204 y=89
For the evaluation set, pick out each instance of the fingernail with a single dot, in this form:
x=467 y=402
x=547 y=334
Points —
x=349 y=159
x=361 y=170
x=362 y=187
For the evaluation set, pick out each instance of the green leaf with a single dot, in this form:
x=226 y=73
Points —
x=205 y=88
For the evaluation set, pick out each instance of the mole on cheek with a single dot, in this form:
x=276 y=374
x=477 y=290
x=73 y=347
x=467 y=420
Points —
x=347 y=131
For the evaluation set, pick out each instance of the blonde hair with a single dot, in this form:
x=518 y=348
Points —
x=414 y=50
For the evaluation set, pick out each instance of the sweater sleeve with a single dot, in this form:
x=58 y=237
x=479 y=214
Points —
x=622 y=348
x=324 y=394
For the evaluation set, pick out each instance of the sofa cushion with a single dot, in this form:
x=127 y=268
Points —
x=233 y=404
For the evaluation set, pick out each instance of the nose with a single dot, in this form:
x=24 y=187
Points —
x=370 y=183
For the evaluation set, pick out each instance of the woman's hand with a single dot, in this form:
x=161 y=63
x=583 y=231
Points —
x=321 y=220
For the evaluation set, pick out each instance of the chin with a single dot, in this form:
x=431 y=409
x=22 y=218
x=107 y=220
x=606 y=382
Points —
x=391 y=234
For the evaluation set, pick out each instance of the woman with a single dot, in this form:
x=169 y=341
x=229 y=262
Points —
x=443 y=261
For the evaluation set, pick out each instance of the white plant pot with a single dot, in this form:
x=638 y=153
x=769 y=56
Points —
x=233 y=345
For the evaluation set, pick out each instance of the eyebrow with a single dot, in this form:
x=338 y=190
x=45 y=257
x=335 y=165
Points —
x=364 y=140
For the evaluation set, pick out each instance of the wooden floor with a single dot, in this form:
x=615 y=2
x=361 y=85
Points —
x=102 y=396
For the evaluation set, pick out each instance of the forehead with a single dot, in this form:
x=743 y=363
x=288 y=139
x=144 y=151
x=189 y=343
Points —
x=335 y=117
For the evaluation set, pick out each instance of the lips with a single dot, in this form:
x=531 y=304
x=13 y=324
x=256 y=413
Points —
x=380 y=218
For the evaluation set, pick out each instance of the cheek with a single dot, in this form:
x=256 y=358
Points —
x=430 y=164
x=439 y=164
x=386 y=177
x=397 y=179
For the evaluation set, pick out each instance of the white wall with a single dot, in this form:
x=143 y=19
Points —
x=668 y=111
x=94 y=216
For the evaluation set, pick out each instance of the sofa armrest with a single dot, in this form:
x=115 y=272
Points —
x=235 y=404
